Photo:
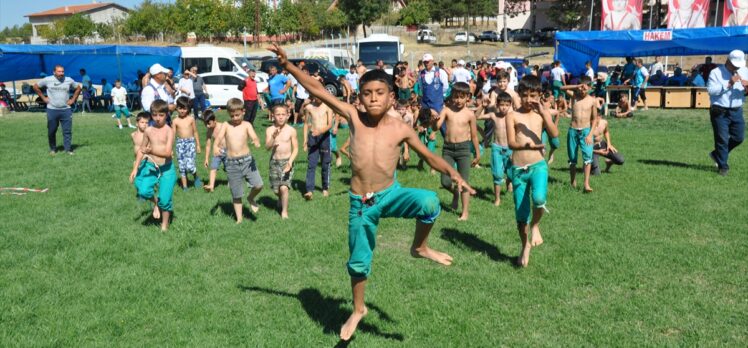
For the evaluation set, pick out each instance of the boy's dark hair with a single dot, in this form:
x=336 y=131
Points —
x=234 y=104
x=424 y=116
x=502 y=75
x=208 y=116
x=460 y=89
x=184 y=103
x=143 y=115
x=504 y=97
x=585 y=80
x=159 y=107
x=353 y=66
x=117 y=80
x=556 y=62
x=529 y=83
x=377 y=75
x=276 y=106
x=547 y=95
x=403 y=103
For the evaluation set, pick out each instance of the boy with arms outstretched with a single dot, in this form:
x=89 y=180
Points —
x=461 y=132
x=280 y=139
x=188 y=141
x=240 y=165
x=500 y=152
x=212 y=128
x=529 y=170
x=375 y=149
x=155 y=165
x=318 y=119
x=583 y=119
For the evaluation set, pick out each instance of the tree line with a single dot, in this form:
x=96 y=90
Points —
x=227 y=19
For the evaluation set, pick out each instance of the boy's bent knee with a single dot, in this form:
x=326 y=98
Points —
x=430 y=210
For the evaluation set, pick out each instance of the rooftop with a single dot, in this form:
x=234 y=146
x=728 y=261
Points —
x=73 y=9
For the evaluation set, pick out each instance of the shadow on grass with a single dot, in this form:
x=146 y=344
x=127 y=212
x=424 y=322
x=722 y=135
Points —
x=474 y=243
x=299 y=185
x=269 y=203
x=73 y=147
x=667 y=163
x=227 y=208
x=329 y=312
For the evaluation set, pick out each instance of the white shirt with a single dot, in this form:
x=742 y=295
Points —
x=352 y=78
x=428 y=77
x=149 y=94
x=557 y=74
x=119 y=96
x=301 y=92
x=513 y=81
x=590 y=73
x=720 y=93
x=460 y=74
x=656 y=67
x=186 y=85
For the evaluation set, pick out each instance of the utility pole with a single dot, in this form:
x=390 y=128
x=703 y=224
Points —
x=257 y=23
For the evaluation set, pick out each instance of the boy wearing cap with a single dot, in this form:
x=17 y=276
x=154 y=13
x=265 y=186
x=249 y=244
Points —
x=726 y=86
x=375 y=194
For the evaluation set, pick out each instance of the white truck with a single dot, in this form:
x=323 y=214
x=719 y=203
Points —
x=380 y=46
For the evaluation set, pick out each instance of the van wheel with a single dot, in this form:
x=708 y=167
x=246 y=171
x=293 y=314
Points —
x=332 y=89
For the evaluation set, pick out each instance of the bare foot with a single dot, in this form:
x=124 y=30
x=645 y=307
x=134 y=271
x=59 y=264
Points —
x=587 y=189
x=284 y=216
x=208 y=188
x=325 y=193
x=346 y=332
x=239 y=221
x=433 y=255
x=551 y=159
x=308 y=196
x=497 y=202
x=524 y=258
x=338 y=162
x=537 y=239
x=156 y=212
x=510 y=188
x=574 y=184
x=463 y=217
x=254 y=207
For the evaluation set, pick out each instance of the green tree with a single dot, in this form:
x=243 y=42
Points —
x=150 y=19
x=417 y=12
x=79 y=27
x=105 y=30
x=568 y=14
x=53 y=32
x=363 y=12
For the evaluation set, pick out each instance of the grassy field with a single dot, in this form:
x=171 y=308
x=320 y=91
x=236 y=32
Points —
x=656 y=256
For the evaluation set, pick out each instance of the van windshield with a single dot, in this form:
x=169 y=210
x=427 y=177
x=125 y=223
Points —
x=370 y=52
x=241 y=60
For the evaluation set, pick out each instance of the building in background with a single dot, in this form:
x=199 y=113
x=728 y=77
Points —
x=106 y=12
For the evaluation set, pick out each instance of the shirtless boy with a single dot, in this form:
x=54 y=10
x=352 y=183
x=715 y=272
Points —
x=624 y=109
x=547 y=100
x=502 y=85
x=240 y=165
x=427 y=133
x=404 y=83
x=461 y=132
x=137 y=136
x=583 y=118
x=212 y=127
x=604 y=147
x=188 y=141
x=529 y=170
x=500 y=153
x=317 y=123
x=155 y=165
x=280 y=139
x=374 y=192
x=403 y=110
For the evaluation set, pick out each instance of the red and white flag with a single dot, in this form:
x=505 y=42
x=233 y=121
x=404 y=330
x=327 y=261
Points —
x=687 y=13
x=735 y=13
x=621 y=15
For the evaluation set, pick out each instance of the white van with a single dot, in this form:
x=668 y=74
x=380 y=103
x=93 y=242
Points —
x=340 y=58
x=221 y=69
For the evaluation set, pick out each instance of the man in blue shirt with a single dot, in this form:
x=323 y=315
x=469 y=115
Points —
x=278 y=84
x=106 y=93
x=726 y=86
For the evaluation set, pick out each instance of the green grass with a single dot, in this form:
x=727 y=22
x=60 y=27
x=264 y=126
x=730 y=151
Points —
x=655 y=256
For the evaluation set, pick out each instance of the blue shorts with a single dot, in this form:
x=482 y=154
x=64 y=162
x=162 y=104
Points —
x=216 y=162
x=529 y=181
x=365 y=212
x=501 y=159
x=555 y=143
x=575 y=141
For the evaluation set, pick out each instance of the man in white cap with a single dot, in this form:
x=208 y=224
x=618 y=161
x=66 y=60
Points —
x=434 y=82
x=460 y=74
x=155 y=89
x=727 y=85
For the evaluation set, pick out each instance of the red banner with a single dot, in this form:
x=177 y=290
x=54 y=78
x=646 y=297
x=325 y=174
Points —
x=735 y=13
x=622 y=15
x=687 y=13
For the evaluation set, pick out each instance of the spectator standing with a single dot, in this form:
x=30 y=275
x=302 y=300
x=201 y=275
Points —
x=726 y=87
x=249 y=95
x=201 y=92
x=589 y=71
x=706 y=68
x=640 y=80
x=185 y=86
x=156 y=88
x=278 y=84
x=656 y=66
x=106 y=93
x=58 y=107
x=119 y=100
x=85 y=79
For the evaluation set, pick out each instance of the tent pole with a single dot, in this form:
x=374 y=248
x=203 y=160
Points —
x=716 y=13
x=119 y=65
x=665 y=68
x=592 y=8
x=651 y=4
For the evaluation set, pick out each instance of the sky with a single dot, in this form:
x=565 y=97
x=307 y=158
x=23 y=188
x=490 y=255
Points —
x=12 y=12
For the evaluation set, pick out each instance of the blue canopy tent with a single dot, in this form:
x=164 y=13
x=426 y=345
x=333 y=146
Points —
x=22 y=62
x=574 y=48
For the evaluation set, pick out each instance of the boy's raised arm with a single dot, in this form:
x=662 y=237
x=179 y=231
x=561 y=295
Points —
x=312 y=86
